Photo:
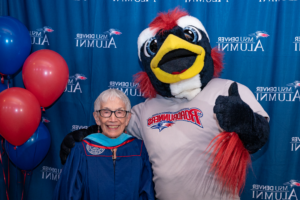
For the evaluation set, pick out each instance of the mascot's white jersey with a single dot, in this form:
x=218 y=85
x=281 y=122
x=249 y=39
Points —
x=176 y=133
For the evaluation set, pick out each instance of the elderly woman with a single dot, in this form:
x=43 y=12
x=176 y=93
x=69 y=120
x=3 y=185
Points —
x=111 y=164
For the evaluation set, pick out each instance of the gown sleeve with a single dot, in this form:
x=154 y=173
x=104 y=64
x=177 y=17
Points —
x=70 y=184
x=146 y=183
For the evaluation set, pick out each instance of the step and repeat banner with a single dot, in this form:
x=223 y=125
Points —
x=98 y=40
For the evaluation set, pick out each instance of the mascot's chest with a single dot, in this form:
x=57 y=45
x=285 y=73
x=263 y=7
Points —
x=174 y=124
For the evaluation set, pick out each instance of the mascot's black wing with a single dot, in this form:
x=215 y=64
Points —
x=234 y=115
x=244 y=132
x=76 y=136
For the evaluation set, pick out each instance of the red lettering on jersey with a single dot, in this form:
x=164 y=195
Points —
x=149 y=121
x=183 y=115
x=191 y=115
x=157 y=118
x=194 y=116
x=187 y=115
x=175 y=117
x=164 y=117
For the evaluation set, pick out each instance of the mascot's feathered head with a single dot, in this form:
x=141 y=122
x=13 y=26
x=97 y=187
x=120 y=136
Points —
x=177 y=56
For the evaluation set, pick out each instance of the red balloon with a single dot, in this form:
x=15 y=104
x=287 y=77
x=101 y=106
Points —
x=20 y=115
x=45 y=73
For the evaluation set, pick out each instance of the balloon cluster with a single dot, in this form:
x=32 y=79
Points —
x=45 y=75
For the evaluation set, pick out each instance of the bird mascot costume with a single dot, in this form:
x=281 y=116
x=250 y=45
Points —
x=199 y=130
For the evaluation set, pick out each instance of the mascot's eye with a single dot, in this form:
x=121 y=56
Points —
x=150 y=48
x=192 y=34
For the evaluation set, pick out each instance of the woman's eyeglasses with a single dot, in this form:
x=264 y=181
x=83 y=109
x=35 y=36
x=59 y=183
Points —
x=118 y=113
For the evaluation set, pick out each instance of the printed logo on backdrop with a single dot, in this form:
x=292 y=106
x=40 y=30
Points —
x=293 y=183
x=286 y=191
x=39 y=37
x=134 y=1
x=74 y=81
x=295 y=143
x=104 y=40
x=245 y=43
x=164 y=120
x=45 y=120
x=297 y=43
x=206 y=1
x=50 y=173
x=275 y=0
x=78 y=127
x=283 y=192
x=129 y=88
x=288 y=93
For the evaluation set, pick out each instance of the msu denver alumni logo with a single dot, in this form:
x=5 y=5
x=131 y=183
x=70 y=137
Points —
x=280 y=192
x=246 y=43
x=164 y=120
x=279 y=93
x=104 y=40
x=39 y=37
x=75 y=86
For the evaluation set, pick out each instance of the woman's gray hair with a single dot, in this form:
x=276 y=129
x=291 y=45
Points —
x=111 y=94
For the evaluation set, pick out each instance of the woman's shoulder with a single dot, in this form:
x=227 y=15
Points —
x=79 y=146
x=137 y=141
x=77 y=151
x=139 y=146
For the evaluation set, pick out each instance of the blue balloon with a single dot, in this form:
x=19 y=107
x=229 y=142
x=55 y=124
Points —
x=15 y=44
x=2 y=87
x=28 y=155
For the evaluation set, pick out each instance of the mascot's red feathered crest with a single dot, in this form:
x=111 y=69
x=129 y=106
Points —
x=167 y=21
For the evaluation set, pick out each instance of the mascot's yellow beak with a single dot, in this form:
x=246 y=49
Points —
x=173 y=43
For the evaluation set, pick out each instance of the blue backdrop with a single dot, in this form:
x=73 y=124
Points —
x=261 y=41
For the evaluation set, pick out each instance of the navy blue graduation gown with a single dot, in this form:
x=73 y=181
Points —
x=90 y=172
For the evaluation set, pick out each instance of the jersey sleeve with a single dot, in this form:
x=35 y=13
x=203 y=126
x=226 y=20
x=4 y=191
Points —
x=70 y=183
x=134 y=126
x=146 y=184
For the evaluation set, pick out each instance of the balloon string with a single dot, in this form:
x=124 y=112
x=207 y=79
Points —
x=1 y=153
x=2 y=144
x=8 y=174
x=8 y=177
x=8 y=83
x=24 y=173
